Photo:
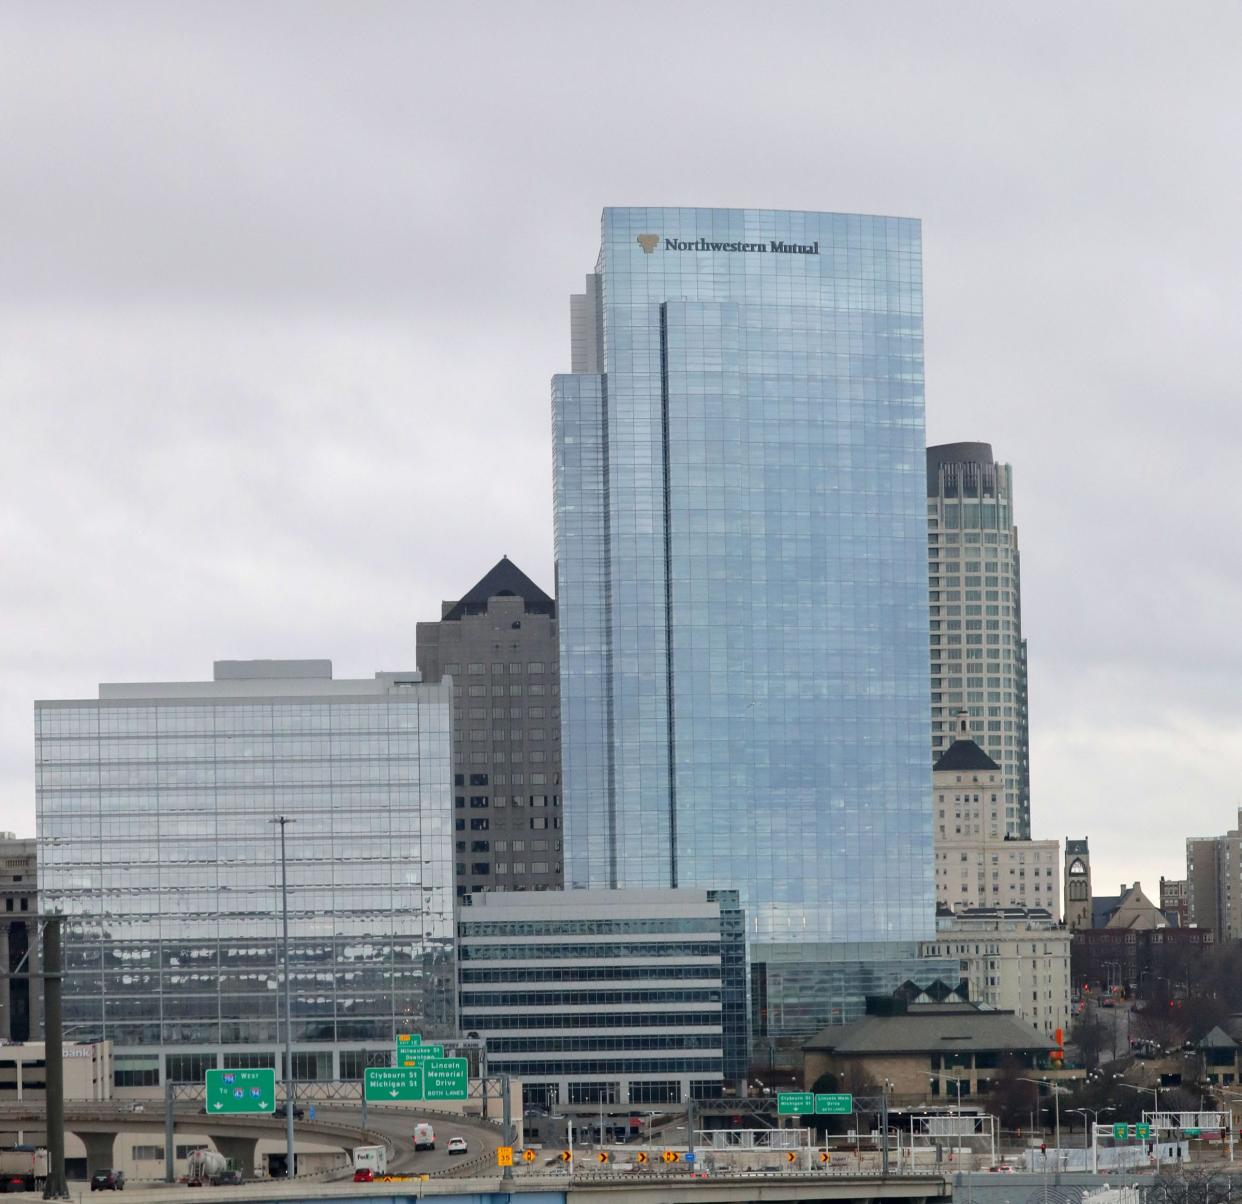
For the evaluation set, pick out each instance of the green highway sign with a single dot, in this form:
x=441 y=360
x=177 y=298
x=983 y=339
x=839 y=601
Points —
x=795 y=1103
x=838 y=1104
x=1121 y=1132
x=1142 y=1132
x=386 y=1084
x=241 y=1091
x=411 y=1055
x=445 y=1078
x=1193 y=1132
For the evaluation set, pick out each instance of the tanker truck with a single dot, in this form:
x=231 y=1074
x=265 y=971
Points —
x=206 y=1167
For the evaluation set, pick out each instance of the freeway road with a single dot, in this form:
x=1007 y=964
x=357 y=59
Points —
x=397 y=1125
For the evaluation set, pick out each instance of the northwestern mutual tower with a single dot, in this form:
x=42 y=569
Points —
x=742 y=580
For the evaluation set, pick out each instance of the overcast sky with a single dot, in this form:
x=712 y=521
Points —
x=282 y=286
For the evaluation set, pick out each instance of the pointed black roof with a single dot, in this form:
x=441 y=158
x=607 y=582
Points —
x=504 y=580
x=964 y=754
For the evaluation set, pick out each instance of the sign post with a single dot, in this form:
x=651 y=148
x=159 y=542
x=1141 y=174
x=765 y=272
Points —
x=388 y=1085
x=241 y=1091
x=838 y=1104
x=794 y=1103
x=444 y=1078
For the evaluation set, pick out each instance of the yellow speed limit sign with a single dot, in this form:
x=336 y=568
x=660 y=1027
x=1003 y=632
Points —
x=504 y=1155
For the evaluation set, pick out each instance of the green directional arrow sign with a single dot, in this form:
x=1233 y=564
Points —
x=444 y=1078
x=837 y=1104
x=1142 y=1132
x=1121 y=1132
x=795 y=1103
x=241 y=1091
x=386 y=1085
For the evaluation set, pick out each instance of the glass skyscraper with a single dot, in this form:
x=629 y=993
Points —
x=156 y=844
x=742 y=574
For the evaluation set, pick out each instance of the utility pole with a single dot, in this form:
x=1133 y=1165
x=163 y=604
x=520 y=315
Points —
x=282 y=820
x=506 y=1113
x=54 y=1187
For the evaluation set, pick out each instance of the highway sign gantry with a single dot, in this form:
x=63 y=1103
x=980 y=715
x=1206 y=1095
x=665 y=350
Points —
x=241 y=1091
x=386 y=1085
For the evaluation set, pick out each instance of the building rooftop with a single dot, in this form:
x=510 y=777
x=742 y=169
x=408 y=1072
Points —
x=932 y=1028
x=503 y=580
x=964 y=755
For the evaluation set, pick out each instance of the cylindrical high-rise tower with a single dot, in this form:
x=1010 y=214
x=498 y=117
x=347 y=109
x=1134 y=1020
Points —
x=978 y=655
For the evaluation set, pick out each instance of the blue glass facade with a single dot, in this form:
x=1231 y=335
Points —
x=742 y=569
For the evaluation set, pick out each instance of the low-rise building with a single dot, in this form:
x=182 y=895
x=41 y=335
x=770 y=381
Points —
x=927 y=1051
x=1015 y=959
x=21 y=988
x=977 y=863
x=601 y=996
x=1173 y=901
x=1102 y=958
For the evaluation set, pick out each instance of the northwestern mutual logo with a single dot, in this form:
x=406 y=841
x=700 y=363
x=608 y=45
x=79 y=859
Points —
x=773 y=246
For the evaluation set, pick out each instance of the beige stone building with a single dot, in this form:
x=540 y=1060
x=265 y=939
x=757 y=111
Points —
x=925 y=1050
x=976 y=864
x=1015 y=959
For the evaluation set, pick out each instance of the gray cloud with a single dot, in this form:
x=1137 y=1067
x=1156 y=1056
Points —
x=281 y=287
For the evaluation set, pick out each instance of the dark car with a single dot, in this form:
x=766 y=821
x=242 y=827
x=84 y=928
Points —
x=108 y=1181
x=298 y=1113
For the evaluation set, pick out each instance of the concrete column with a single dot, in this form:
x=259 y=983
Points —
x=240 y=1150
x=100 y=1150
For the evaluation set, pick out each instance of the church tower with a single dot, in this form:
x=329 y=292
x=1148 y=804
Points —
x=1077 y=885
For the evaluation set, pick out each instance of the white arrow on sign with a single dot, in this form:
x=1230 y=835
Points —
x=217 y=1106
x=394 y=1093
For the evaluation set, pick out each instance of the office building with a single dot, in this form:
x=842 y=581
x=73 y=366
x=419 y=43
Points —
x=156 y=805
x=977 y=863
x=86 y=1073
x=978 y=655
x=1077 y=884
x=741 y=581
x=1016 y=959
x=21 y=988
x=498 y=643
x=1214 y=882
x=613 y=997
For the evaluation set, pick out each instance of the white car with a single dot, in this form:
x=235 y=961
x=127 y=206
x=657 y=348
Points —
x=457 y=1145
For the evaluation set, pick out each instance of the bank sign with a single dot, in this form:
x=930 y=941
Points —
x=774 y=246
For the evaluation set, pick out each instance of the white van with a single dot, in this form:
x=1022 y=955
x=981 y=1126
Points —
x=424 y=1136
x=373 y=1158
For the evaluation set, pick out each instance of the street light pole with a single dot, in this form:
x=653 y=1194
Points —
x=283 y=820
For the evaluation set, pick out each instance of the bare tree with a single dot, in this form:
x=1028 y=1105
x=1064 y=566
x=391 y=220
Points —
x=1190 y=1185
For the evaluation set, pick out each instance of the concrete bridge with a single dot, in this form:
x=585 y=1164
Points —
x=550 y=1189
x=97 y=1126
